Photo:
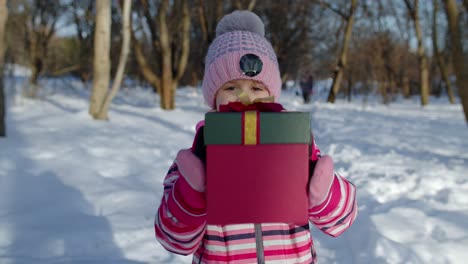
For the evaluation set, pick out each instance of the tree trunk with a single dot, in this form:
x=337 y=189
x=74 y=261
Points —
x=38 y=22
x=169 y=78
x=406 y=87
x=458 y=58
x=203 y=21
x=194 y=81
x=338 y=73
x=166 y=54
x=122 y=61
x=422 y=59
x=173 y=92
x=184 y=53
x=171 y=50
x=208 y=18
x=145 y=68
x=440 y=60
x=423 y=66
x=350 y=87
x=36 y=68
x=3 y=19
x=101 y=61
x=185 y=45
x=393 y=88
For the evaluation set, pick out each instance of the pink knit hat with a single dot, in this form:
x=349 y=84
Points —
x=240 y=35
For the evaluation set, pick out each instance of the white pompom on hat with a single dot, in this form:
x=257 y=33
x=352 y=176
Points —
x=237 y=34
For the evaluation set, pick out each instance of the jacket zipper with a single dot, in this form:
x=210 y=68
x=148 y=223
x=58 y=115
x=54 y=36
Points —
x=259 y=244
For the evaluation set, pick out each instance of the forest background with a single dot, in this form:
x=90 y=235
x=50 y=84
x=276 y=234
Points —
x=390 y=48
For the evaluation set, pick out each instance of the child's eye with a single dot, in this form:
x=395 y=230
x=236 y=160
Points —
x=257 y=89
x=230 y=88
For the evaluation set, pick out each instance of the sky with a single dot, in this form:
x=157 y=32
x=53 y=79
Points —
x=75 y=190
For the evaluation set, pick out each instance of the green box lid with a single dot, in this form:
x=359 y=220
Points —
x=275 y=128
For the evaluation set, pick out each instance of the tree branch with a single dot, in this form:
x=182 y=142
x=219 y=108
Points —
x=145 y=68
x=65 y=70
x=151 y=23
x=410 y=7
x=253 y=2
x=334 y=9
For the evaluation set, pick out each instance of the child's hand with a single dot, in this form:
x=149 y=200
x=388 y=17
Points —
x=191 y=163
x=192 y=169
x=321 y=181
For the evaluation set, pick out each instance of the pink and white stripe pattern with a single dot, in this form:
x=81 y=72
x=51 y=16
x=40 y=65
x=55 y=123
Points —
x=181 y=228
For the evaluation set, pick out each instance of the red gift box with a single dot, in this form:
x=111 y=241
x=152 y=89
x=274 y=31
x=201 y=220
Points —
x=257 y=167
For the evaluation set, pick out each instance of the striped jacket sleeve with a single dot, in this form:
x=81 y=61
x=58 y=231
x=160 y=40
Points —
x=339 y=210
x=180 y=221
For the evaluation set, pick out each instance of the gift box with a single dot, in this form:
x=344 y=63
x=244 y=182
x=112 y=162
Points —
x=257 y=167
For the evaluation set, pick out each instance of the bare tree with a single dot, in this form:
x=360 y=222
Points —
x=39 y=26
x=459 y=59
x=102 y=115
x=384 y=52
x=3 y=19
x=289 y=33
x=101 y=64
x=208 y=13
x=404 y=69
x=341 y=65
x=438 y=56
x=413 y=9
x=170 y=38
x=83 y=17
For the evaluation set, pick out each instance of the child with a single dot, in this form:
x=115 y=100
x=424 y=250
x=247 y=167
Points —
x=241 y=60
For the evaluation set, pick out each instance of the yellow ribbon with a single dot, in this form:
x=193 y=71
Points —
x=250 y=117
x=250 y=128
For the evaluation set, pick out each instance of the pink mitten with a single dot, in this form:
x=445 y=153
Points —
x=321 y=181
x=192 y=169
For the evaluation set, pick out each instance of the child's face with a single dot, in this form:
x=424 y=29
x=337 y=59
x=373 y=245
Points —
x=229 y=91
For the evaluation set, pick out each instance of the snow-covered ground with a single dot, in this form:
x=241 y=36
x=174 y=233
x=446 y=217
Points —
x=74 y=190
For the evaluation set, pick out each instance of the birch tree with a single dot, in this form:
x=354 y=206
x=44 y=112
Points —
x=102 y=114
x=101 y=60
x=3 y=19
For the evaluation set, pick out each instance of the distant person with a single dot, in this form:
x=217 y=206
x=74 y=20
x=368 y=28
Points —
x=241 y=60
x=307 y=87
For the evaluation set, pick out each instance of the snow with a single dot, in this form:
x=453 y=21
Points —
x=74 y=190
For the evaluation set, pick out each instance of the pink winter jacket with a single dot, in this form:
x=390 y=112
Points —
x=181 y=227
